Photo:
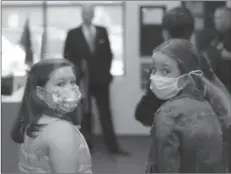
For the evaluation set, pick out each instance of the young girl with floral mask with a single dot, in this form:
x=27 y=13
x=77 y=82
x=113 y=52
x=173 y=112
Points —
x=50 y=143
x=187 y=135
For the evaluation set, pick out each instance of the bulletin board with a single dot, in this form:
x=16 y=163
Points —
x=150 y=28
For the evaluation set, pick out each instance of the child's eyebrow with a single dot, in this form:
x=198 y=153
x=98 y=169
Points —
x=60 y=78
x=167 y=65
x=67 y=78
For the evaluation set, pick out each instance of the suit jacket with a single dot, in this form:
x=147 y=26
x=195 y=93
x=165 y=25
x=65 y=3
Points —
x=76 y=49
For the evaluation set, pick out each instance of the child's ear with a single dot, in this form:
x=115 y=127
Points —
x=40 y=93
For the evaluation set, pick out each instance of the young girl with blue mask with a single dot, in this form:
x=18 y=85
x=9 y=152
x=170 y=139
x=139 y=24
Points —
x=187 y=135
x=49 y=142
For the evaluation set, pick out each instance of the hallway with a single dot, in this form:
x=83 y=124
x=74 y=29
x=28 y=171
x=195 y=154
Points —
x=136 y=145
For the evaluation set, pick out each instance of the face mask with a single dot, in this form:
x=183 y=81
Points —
x=165 y=87
x=66 y=100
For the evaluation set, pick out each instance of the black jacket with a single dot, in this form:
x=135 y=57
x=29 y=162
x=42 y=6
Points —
x=76 y=49
x=146 y=108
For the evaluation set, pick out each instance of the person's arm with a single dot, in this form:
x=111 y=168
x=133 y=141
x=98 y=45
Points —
x=67 y=46
x=63 y=147
x=167 y=143
x=226 y=54
x=108 y=50
x=70 y=54
x=147 y=106
x=84 y=87
x=227 y=42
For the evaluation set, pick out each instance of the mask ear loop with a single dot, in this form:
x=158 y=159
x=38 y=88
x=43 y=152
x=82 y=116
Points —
x=77 y=90
x=196 y=73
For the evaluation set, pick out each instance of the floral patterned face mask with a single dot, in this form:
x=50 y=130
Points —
x=65 y=101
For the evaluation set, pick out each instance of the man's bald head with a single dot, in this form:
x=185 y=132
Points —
x=87 y=13
x=222 y=19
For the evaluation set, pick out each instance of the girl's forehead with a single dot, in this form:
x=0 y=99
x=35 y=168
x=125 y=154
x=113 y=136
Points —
x=62 y=73
x=163 y=59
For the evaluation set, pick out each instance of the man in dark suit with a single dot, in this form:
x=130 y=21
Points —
x=88 y=47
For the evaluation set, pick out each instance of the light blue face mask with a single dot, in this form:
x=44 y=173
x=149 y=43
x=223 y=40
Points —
x=167 y=87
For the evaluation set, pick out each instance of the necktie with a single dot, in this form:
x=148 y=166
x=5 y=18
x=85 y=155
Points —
x=91 y=39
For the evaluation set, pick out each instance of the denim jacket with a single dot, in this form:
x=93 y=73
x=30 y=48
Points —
x=186 y=137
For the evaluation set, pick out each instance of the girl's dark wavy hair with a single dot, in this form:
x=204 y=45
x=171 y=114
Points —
x=31 y=107
x=179 y=22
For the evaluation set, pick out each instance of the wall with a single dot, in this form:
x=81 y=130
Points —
x=9 y=149
x=126 y=91
x=228 y=3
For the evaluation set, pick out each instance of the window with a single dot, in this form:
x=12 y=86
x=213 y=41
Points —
x=14 y=16
x=61 y=18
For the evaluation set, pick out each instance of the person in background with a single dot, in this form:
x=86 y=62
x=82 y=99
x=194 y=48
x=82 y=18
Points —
x=221 y=57
x=89 y=43
x=222 y=22
x=49 y=142
x=186 y=136
x=219 y=51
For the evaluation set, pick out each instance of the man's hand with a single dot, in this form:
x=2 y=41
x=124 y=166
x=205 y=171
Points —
x=84 y=65
x=226 y=54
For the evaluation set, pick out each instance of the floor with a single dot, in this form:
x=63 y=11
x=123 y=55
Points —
x=102 y=161
x=105 y=163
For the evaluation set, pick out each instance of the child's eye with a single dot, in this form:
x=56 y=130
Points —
x=166 y=71
x=73 y=82
x=61 y=84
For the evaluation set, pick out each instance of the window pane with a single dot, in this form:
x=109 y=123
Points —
x=63 y=18
x=13 y=22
